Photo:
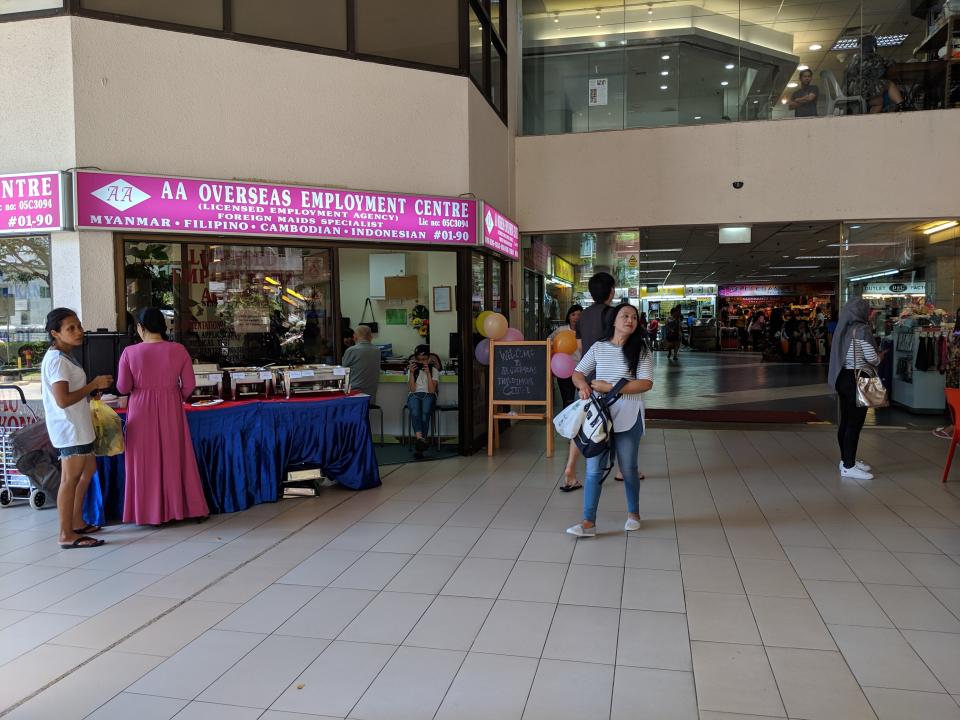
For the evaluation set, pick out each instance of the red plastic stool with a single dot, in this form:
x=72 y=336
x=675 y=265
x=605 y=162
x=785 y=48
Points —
x=953 y=402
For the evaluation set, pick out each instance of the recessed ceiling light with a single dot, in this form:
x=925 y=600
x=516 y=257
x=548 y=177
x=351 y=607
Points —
x=729 y=66
x=854 y=227
x=664 y=72
x=783 y=102
x=816 y=46
x=650 y=9
x=556 y=17
x=724 y=83
x=598 y=14
x=663 y=87
x=801 y=68
x=697 y=117
x=664 y=57
x=791 y=85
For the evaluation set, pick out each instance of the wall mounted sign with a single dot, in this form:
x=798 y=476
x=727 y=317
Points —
x=151 y=203
x=562 y=269
x=777 y=290
x=537 y=257
x=597 y=92
x=32 y=202
x=914 y=288
x=500 y=233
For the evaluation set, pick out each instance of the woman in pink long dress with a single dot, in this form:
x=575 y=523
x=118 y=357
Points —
x=163 y=482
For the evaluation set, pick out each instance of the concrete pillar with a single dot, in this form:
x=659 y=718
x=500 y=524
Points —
x=83 y=277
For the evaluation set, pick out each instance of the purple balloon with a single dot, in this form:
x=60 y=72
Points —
x=482 y=352
x=562 y=365
x=512 y=335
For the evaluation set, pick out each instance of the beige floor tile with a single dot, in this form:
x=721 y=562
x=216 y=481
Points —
x=914 y=608
x=653 y=590
x=32 y=670
x=879 y=567
x=515 y=628
x=846 y=603
x=424 y=574
x=407 y=539
x=941 y=652
x=554 y=696
x=387 y=619
x=775 y=578
x=812 y=563
x=932 y=570
x=719 y=617
x=373 y=571
x=710 y=574
x=583 y=634
x=450 y=540
x=899 y=704
x=653 y=553
x=470 y=696
x=736 y=679
x=661 y=694
x=606 y=549
x=548 y=547
x=479 y=577
x=880 y=657
x=502 y=544
x=450 y=623
x=818 y=685
x=176 y=629
x=327 y=614
x=411 y=686
x=599 y=585
x=654 y=640
x=790 y=622
x=535 y=582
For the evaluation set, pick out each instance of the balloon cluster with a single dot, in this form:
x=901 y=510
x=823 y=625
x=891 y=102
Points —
x=493 y=326
x=564 y=345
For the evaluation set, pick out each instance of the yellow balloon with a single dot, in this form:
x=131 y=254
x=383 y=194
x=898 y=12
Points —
x=565 y=341
x=479 y=321
x=495 y=326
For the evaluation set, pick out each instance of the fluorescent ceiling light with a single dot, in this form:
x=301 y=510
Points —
x=816 y=46
x=794 y=267
x=556 y=17
x=729 y=66
x=664 y=72
x=891 y=40
x=783 y=102
x=663 y=250
x=801 y=68
x=823 y=257
x=854 y=227
x=734 y=236
x=870 y=276
x=664 y=87
x=598 y=14
x=664 y=57
x=847 y=43
x=792 y=84
x=697 y=117
x=656 y=262
x=945 y=225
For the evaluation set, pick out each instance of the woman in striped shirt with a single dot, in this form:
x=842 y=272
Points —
x=852 y=349
x=623 y=354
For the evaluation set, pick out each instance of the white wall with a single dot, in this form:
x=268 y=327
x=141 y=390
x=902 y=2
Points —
x=432 y=269
x=869 y=167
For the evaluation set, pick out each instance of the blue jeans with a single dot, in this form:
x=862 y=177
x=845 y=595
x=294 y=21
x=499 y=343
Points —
x=421 y=411
x=627 y=446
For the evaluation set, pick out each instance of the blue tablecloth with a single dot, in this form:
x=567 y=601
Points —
x=244 y=449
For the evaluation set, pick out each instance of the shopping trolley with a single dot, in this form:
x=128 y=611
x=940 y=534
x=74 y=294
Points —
x=15 y=412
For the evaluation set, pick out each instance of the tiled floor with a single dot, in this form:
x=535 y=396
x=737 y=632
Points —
x=761 y=586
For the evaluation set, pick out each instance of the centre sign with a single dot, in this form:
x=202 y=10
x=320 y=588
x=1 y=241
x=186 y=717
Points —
x=151 y=203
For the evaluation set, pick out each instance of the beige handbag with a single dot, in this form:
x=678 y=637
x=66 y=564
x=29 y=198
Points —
x=870 y=390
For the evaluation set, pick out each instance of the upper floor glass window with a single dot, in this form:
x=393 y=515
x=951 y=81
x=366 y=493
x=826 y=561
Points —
x=423 y=31
x=306 y=22
x=488 y=50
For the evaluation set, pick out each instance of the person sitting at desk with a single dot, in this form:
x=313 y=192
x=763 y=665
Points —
x=424 y=382
x=363 y=359
x=866 y=76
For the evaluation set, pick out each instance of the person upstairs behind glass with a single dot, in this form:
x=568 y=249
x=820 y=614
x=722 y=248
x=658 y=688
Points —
x=866 y=76
x=804 y=99
x=363 y=359
x=423 y=377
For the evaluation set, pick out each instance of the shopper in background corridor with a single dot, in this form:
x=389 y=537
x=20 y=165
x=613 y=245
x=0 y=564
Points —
x=567 y=392
x=163 y=482
x=853 y=349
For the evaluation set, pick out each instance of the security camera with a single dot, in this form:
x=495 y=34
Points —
x=738 y=184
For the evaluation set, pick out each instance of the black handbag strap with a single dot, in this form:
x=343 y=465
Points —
x=367 y=306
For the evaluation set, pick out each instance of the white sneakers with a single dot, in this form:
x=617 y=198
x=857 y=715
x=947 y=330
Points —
x=856 y=472
x=861 y=465
x=580 y=531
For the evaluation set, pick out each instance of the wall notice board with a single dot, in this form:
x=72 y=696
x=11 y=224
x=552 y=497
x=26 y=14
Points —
x=520 y=375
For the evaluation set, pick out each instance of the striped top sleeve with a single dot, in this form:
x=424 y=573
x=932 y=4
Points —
x=606 y=361
x=864 y=355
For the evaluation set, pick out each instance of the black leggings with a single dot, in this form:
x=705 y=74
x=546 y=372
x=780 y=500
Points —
x=568 y=393
x=851 y=418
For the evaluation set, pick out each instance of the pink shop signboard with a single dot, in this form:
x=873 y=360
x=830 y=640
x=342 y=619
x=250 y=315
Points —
x=151 y=203
x=31 y=202
x=500 y=233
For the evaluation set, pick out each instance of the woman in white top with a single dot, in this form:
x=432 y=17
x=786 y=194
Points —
x=852 y=349
x=66 y=407
x=568 y=393
x=423 y=379
x=622 y=355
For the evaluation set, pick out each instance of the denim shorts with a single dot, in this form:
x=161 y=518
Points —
x=76 y=450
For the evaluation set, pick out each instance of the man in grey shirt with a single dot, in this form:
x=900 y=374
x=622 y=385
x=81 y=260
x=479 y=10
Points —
x=804 y=100
x=363 y=359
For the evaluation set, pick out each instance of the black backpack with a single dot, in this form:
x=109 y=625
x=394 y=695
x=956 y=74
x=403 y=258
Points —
x=598 y=414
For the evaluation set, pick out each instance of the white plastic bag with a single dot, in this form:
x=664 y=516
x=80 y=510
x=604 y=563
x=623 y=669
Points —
x=569 y=420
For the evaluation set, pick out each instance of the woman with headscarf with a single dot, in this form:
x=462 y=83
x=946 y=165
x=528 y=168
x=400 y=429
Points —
x=853 y=349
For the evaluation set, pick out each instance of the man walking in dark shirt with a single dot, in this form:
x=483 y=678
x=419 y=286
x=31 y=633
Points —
x=589 y=331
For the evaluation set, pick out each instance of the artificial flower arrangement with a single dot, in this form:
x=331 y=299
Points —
x=921 y=313
x=420 y=320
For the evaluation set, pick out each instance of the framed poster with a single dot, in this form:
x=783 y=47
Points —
x=442 y=299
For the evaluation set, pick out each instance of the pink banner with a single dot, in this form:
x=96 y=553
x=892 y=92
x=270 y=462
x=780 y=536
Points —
x=150 y=203
x=500 y=233
x=30 y=202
